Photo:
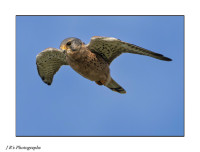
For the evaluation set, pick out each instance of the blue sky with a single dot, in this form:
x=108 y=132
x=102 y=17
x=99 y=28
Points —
x=75 y=106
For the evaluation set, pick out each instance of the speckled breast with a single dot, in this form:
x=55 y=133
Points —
x=90 y=66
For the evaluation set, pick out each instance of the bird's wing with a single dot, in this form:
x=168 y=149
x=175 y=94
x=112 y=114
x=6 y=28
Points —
x=49 y=62
x=110 y=48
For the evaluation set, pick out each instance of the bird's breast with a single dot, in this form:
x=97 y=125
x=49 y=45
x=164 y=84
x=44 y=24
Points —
x=89 y=65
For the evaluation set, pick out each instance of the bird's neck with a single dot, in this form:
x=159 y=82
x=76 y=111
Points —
x=78 y=55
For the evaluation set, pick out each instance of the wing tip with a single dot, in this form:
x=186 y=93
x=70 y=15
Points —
x=48 y=83
x=166 y=59
x=161 y=57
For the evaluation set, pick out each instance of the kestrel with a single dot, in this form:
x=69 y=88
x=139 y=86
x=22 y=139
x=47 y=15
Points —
x=92 y=61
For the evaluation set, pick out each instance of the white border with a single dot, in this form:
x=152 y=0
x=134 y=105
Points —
x=143 y=7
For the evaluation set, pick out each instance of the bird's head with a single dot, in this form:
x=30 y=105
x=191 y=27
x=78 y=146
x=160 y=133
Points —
x=71 y=44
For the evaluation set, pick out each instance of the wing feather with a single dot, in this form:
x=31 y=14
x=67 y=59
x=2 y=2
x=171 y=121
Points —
x=49 y=62
x=110 y=48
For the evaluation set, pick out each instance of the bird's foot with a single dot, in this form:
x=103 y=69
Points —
x=102 y=82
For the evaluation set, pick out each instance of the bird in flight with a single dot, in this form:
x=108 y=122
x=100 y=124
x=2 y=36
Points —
x=92 y=61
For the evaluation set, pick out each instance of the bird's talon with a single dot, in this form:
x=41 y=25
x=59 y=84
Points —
x=102 y=82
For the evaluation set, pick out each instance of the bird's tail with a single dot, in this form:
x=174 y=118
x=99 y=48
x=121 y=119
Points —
x=114 y=86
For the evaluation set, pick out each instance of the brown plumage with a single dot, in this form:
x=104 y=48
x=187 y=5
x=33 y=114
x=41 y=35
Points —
x=91 y=61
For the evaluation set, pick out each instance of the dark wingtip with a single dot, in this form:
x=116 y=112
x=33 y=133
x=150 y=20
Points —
x=48 y=83
x=166 y=59
x=161 y=57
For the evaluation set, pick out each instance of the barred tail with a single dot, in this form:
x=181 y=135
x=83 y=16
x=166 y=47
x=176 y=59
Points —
x=114 y=86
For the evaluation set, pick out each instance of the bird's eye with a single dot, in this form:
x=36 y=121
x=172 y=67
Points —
x=68 y=43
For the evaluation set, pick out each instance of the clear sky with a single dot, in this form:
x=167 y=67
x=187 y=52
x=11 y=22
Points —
x=75 y=106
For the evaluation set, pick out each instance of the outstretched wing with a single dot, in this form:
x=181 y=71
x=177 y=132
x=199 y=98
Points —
x=110 y=48
x=49 y=62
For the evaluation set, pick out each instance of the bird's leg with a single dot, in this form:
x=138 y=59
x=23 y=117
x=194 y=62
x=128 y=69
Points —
x=101 y=82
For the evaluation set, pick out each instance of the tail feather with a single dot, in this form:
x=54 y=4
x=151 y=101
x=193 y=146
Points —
x=114 y=86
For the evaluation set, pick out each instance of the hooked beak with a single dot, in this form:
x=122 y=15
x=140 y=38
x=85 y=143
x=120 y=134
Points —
x=63 y=47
